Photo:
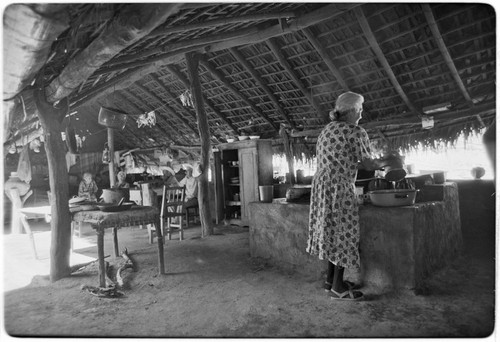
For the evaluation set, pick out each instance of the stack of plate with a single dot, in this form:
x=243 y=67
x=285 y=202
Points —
x=234 y=180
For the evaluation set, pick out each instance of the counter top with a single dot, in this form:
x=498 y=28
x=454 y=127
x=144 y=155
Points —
x=399 y=246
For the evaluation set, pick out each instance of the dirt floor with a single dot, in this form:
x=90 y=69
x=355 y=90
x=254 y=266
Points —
x=213 y=288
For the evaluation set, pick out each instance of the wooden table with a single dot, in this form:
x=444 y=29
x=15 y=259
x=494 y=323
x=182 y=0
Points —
x=137 y=215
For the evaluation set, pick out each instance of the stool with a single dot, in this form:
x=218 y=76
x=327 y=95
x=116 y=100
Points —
x=192 y=213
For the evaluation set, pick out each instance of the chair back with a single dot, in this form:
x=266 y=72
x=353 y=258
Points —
x=173 y=201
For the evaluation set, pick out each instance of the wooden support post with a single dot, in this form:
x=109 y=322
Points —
x=288 y=153
x=15 y=224
x=115 y=241
x=207 y=228
x=59 y=187
x=100 y=256
x=111 y=146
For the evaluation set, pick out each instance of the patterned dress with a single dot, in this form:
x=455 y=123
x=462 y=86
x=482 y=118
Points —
x=333 y=217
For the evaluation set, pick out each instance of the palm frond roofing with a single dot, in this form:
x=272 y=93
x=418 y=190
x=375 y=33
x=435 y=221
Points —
x=402 y=57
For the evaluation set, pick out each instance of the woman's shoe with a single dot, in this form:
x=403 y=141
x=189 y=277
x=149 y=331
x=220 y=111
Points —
x=349 y=295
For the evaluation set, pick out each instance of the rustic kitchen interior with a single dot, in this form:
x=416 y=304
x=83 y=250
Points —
x=236 y=96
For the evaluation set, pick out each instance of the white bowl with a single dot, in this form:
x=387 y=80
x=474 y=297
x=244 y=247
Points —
x=230 y=140
x=242 y=137
x=253 y=137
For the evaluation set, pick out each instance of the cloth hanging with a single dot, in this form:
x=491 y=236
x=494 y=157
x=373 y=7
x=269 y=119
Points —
x=24 y=165
x=70 y=160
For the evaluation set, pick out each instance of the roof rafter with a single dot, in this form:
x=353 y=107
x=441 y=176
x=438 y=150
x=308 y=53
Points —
x=306 y=20
x=133 y=23
x=273 y=46
x=363 y=22
x=326 y=57
x=220 y=76
x=177 y=73
x=218 y=22
x=258 y=79
x=444 y=52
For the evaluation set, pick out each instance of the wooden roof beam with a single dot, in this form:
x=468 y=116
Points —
x=131 y=24
x=445 y=53
x=322 y=51
x=130 y=76
x=260 y=82
x=177 y=73
x=135 y=59
x=363 y=22
x=219 y=22
x=220 y=76
x=168 y=108
x=273 y=46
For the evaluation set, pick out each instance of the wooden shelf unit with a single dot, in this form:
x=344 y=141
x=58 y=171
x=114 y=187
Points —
x=254 y=158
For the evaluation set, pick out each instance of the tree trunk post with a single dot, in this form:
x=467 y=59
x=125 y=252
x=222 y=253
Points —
x=207 y=228
x=60 y=247
x=288 y=153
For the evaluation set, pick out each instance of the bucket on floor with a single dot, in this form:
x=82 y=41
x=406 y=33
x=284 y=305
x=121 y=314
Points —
x=266 y=193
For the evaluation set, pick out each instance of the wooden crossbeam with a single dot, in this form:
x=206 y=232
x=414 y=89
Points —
x=130 y=76
x=131 y=24
x=168 y=108
x=445 y=53
x=483 y=109
x=219 y=22
x=326 y=57
x=363 y=22
x=274 y=47
x=133 y=60
x=220 y=76
x=260 y=82
x=177 y=73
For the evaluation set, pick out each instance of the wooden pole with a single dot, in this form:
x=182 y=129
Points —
x=111 y=146
x=207 y=228
x=60 y=224
x=288 y=153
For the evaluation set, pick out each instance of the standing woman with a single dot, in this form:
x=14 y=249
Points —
x=333 y=217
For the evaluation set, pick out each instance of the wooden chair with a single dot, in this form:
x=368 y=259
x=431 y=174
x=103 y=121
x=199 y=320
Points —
x=171 y=212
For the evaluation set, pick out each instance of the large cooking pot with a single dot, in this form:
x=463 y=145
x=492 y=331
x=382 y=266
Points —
x=112 y=118
x=393 y=197
x=394 y=168
x=114 y=195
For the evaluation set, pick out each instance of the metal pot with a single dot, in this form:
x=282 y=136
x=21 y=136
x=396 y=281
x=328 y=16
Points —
x=394 y=169
x=393 y=197
x=112 y=118
x=114 y=195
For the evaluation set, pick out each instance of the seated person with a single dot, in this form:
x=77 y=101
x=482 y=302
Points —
x=169 y=177
x=88 y=187
x=121 y=176
x=191 y=183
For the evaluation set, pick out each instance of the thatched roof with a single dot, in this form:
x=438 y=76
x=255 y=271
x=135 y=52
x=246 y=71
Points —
x=264 y=65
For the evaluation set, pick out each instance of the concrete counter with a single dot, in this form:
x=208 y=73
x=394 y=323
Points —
x=399 y=246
